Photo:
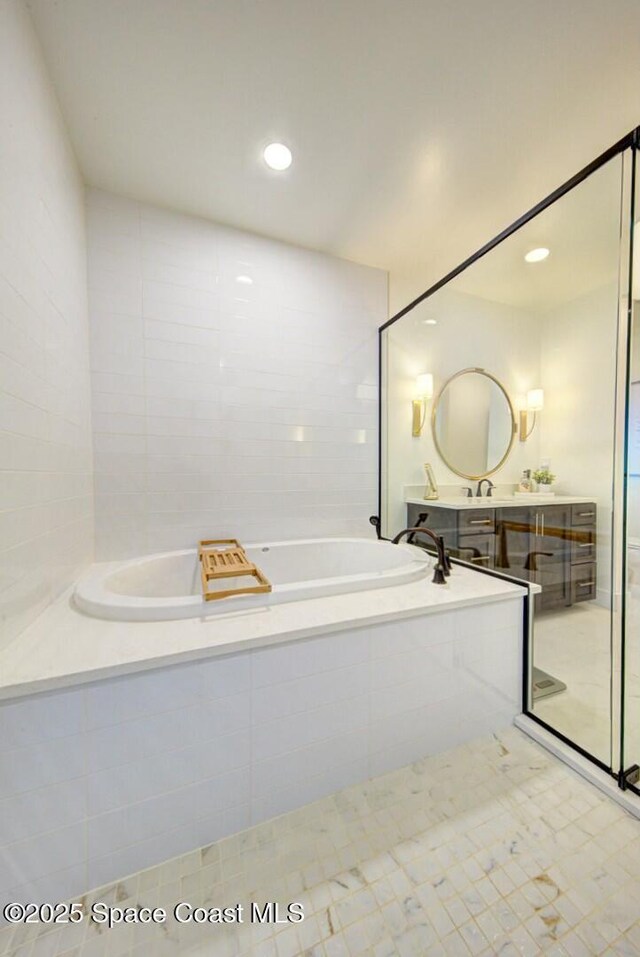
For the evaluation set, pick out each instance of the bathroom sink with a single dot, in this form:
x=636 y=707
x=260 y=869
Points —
x=486 y=502
x=458 y=501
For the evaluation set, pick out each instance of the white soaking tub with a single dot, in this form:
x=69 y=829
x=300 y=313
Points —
x=167 y=585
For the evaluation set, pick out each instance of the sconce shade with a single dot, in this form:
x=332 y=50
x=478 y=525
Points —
x=424 y=386
x=424 y=391
x=535 y=400
x=535 y=403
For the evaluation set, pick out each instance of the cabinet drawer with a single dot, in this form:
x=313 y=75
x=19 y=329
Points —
x=583 y=514
x=477 y=549
x=583 y=582
x=477 y=521
x=583 y=545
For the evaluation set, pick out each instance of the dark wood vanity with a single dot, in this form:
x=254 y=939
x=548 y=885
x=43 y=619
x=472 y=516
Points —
x=552 y=545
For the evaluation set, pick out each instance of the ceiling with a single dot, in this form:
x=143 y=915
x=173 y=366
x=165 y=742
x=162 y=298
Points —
x=419 y=128
x=582 y=231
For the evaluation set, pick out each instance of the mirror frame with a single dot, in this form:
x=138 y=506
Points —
x=434 y=412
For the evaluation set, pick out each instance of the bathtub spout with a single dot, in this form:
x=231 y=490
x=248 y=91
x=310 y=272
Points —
x=443 y=565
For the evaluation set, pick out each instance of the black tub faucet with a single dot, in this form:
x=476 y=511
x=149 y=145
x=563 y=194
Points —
x=443 y=565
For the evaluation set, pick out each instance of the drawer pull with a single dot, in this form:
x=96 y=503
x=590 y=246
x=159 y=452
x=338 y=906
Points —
x=586 y=514
x=586 y=584
x=481 y=521
x=585 y=544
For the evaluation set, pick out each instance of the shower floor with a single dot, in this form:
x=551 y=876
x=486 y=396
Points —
x=574 y=646
x=494 y=847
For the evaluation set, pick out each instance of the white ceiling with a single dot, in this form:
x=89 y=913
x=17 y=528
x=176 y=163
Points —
x=583 y=232
x=419 y=127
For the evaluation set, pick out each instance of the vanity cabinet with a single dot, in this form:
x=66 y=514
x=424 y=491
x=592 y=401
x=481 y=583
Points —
x=551 y=545
x=469 y=534
x=542 y=540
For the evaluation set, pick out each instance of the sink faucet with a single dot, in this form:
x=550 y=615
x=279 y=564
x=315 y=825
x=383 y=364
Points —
x=467 y=490
x=443 y=565
x=490 y=487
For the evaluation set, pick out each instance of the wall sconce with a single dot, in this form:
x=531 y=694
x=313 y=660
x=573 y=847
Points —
x=424 y=391
x=535 y=403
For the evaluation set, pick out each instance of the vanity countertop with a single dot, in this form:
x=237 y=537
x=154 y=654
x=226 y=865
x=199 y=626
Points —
x=460 y=502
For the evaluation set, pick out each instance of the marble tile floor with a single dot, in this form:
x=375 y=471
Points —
x=494 y=848
x=574 y=645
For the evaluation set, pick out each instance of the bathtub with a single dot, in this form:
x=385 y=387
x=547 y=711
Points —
x=167 y=585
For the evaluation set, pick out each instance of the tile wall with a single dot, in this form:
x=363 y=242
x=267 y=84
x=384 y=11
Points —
x=234 y=383
x=101 y=781
x=46 y=488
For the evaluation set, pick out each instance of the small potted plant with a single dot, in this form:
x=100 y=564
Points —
x=544 y=479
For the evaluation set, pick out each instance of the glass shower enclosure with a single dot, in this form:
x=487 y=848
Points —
x=517 y=376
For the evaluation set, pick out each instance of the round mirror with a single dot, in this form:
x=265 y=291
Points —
x=473 y=423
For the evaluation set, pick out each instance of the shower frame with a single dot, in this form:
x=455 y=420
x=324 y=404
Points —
x=625 y=777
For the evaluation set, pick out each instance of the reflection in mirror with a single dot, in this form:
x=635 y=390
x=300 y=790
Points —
x=473 y=424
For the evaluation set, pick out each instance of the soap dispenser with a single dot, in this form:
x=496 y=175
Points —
x=525 y=481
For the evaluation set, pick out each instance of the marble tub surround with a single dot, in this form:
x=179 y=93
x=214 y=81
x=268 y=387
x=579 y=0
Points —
x=529 y=860
x=105 y=779
x=65 y=648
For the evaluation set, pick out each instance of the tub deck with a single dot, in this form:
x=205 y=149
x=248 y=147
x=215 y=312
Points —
x=64 y=647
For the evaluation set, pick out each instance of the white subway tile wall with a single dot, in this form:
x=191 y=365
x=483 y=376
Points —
x=234 y=383
x=100 y=782
x=46 y=486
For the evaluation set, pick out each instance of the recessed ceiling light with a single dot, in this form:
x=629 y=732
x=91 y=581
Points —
x=245 y=280
x=536 y=255
x=430 y=322
x=277 y=156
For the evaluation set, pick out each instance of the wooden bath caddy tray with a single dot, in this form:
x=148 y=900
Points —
x=222 y=558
